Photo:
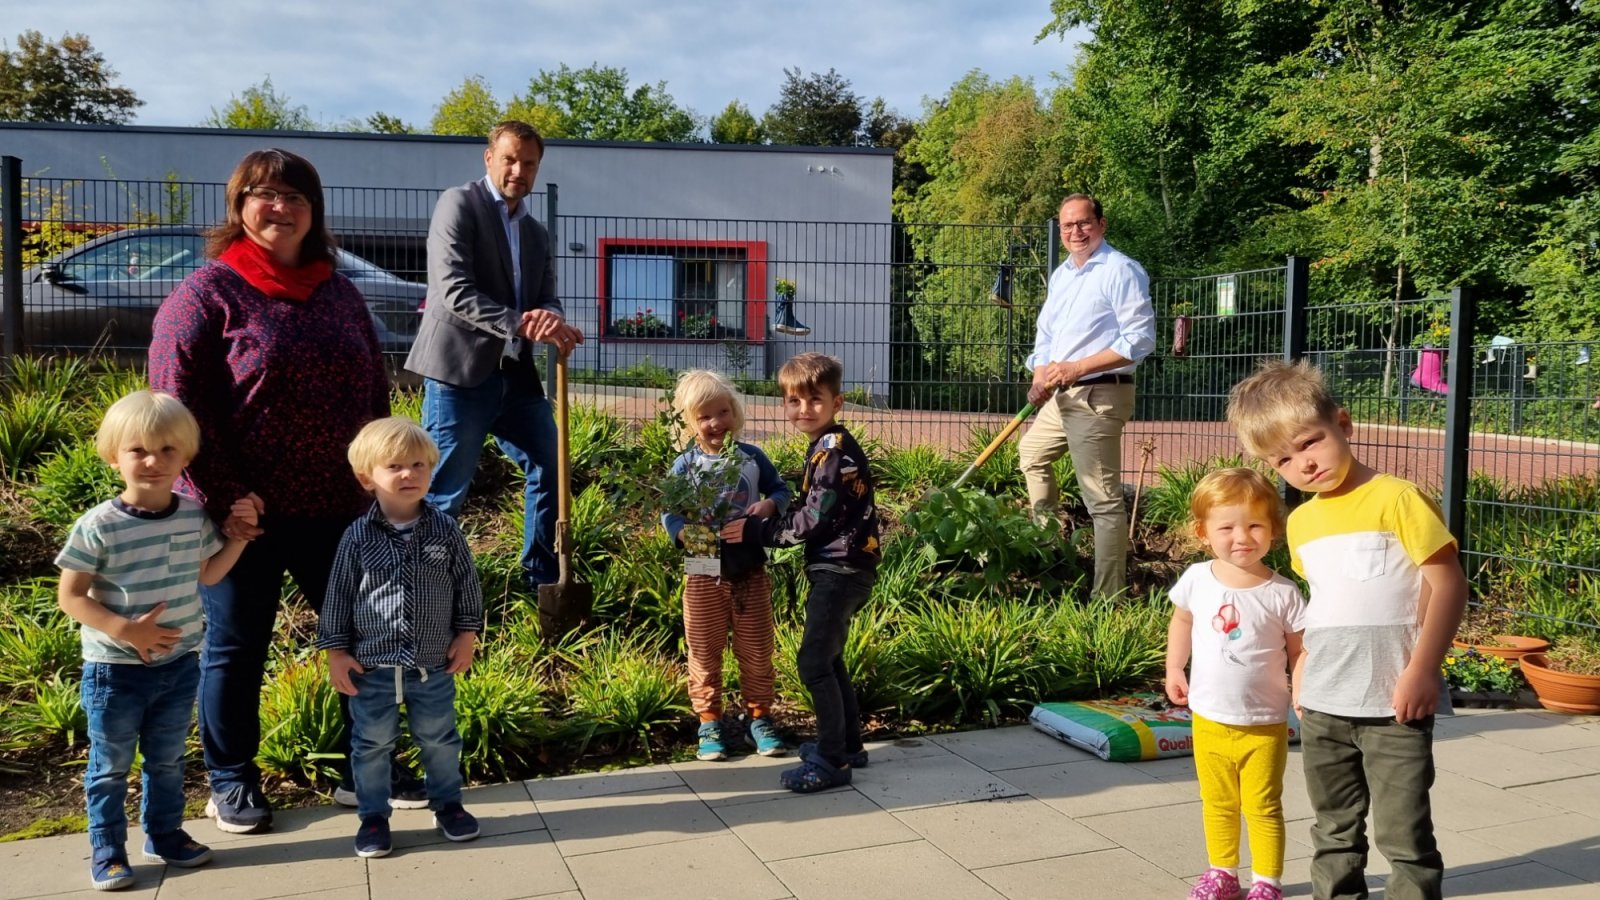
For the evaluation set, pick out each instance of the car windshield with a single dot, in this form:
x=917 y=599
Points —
x=354 y=266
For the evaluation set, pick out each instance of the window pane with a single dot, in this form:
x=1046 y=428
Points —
x=641 y=289
x=730 y=297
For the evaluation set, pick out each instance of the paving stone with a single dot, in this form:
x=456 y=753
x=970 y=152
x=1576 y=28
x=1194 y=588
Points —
x=502 y=867
x=1462 y=851
x=903 y=748
x=60 y=865
x=288 y=825
x=1543 y=732
x=1498 y=763
x=1001 y=832
x=499 y=808
x=603 y=784
x=898 y=784
x=1462 y=804
x=254 y=870
x=637 y=819
x=1568 y=842
x=1580 y=795
x=750 y=779
x=1528 y=881
x=808 y=825
x=1587 y=758
x=1107 y=873
x=916 y=869
x=703 y=869
x=1094 y=787
x=1173 y=770
x=1297 y=879
x=1014 y=747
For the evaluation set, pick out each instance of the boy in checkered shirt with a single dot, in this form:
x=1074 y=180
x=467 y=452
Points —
x=401 y=620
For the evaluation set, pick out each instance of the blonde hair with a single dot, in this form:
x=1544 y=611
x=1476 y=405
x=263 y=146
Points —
x=150 y=418
x=395 y=438
x=1240 y=486
x=810 y=371
x=698 y=388
x=1279 y=399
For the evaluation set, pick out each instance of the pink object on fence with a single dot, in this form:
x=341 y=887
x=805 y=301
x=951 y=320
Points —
x=1429 y=374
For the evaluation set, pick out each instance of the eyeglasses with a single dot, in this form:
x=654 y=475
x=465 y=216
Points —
x=1085 y=225
x=291 y=199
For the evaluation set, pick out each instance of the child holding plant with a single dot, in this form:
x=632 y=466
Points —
x=131 y=572
x=718 y=478
x=838 y=524
x=1237 y=624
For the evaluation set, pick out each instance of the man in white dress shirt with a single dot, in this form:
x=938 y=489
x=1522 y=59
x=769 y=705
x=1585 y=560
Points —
x=1096 y=324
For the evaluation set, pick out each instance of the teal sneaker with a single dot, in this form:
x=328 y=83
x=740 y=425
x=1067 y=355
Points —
x=764 y=737
x=711 y=748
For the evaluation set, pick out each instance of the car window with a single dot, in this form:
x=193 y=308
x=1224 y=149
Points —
x=137 y=257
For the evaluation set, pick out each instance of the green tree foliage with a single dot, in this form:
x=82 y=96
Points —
x=260 y=108
x=469 y=108
x=61 y=81
x=816 y=110
x=597 y=104
x=383 y=123
x=736 y=125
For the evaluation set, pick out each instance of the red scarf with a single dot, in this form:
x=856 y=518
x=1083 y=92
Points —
x=269 y=276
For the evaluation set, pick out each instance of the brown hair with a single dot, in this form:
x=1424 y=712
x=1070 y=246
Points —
x=518 y=129
x=1240 y=486
x=257 y=168
x=1279 y=399
x=1099 y=213
x=809 y=371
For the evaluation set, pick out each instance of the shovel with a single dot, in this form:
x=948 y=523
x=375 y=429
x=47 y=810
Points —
x=565 y=605
x=1004 y=435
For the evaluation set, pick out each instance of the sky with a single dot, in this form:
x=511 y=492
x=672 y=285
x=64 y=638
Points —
x=344 y=59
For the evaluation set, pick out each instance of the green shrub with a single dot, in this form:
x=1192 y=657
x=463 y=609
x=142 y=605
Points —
x=50 y=376
x=869 y=657
x=968 y=661
x=641 y=589
x=32 y=650
x=34 y=600
x=598 y=439
x=32 y=425
x=70 y=481
x=788 y=455
x=406 y=402
x=502 y=714
x=624 y=686
x=300 y=724
x=111 y=385
x=52 y=717
x=1100 y=646
x=979 y=533
x=1000 y=473
x=913 y=470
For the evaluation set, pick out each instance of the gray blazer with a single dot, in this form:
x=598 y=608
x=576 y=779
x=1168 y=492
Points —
x=470 y=310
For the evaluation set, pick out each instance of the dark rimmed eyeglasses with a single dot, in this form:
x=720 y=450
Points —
x=266 y=195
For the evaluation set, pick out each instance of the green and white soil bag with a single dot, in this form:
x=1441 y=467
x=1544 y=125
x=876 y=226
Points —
x=1125 y=729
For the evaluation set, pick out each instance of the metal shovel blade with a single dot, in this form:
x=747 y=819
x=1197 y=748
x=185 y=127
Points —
x=563 y=608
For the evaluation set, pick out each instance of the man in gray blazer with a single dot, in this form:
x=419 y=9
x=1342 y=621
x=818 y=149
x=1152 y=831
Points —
x=491 y=297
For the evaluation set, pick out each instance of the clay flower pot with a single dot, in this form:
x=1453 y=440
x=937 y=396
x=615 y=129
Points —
x=1509 y=647
x=1561 y=691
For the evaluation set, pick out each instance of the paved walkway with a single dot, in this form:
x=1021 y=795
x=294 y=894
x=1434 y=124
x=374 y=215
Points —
x=1003 y=813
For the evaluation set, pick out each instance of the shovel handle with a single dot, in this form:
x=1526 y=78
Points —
x=1004 y=435
x=563 y=466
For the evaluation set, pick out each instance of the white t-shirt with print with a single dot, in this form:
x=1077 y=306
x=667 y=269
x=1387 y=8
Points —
x=1239 y=655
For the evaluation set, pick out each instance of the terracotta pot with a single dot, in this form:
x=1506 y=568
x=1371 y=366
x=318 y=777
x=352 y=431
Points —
x=1560 y=691
x=1515 y=646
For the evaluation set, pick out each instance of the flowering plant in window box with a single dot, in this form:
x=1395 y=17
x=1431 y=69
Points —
x=697 y=325
x=640 y=324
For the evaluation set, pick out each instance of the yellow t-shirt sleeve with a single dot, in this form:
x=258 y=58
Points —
x=1419 y=525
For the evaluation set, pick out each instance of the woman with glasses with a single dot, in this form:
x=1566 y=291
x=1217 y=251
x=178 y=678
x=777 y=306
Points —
x=276 y=355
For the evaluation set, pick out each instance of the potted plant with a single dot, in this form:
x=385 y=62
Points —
x=1478 y=679
x=700 y=497
x=640 y=324
x=1567 y=679
x=1488 y=631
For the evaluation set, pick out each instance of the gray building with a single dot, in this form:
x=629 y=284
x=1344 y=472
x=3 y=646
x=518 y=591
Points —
x=669 y=252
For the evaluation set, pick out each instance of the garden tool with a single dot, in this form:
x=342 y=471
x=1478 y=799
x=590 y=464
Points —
x=565 y=605
x=1004 y=435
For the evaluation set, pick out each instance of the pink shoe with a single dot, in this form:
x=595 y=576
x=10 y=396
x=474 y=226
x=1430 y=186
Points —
x=1215 y=884
x=1263 y=891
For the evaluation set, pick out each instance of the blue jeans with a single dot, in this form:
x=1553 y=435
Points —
x=834 y=598
x=241 y=612
x=148 y=707
x=375 y=722
x=511 y=406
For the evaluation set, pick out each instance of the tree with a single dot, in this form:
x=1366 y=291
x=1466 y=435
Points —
x=736 y=125
x=383 y=123
x=260 y=108
x=61 y=81
x=816 y=110
x=596 y=104
x=470 y=108
x=884 y=127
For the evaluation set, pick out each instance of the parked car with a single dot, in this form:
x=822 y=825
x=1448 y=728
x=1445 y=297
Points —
x=105 y=292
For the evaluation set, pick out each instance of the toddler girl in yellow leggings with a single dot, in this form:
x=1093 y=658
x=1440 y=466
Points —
x=1241 y=622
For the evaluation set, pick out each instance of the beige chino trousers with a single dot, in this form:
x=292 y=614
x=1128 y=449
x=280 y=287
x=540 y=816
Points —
x=1087 y=422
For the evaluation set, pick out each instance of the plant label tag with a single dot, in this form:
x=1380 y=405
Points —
x=703 y=565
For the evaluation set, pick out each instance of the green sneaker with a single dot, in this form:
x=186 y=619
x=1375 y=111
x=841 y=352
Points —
x=711 y=748
x=764 y=737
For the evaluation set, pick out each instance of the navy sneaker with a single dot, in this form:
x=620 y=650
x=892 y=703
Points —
x=109 y=869
x=176 y=848
x=456 y=823
x=407 y=791
x=372 y=838
x=241 y=809
x=856 y=760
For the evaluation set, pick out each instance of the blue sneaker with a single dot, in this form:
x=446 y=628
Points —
x=109 y=869
x=764 y=737
x=372 y=838
x=240 y=809
x=711 y=748
x=456 y=823
x=176 y=848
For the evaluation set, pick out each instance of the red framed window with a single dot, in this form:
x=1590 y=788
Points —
x=683 y=290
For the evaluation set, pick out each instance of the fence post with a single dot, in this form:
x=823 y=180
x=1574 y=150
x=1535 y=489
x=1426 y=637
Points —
x=11 y=250
x=551 y=192
x=1458 y=410
x=1052 y=253
x=1297 y=275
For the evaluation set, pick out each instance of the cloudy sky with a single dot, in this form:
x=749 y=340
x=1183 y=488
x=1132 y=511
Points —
x=344 y=59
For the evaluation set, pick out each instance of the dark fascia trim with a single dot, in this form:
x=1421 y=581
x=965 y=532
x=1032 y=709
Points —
x=437 y=138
